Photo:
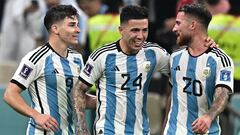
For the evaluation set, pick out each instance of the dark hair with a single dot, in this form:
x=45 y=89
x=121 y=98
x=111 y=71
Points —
x=234 y=10
x=58 y=13
x=212 y=2
x=113 y=6
x=199 y=12
x=133 y=12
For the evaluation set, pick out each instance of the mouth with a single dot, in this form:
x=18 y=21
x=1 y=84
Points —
x=177 y=34
x=138 y=43
x=75 y=37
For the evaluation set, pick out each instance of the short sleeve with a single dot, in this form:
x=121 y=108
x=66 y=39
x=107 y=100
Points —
x=92 y=71
x=163 y=61
x=25 y=73
x=225 y=77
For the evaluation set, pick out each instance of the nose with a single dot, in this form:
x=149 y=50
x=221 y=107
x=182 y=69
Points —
x=174 y=29
x=140 y=35
x=77 y=29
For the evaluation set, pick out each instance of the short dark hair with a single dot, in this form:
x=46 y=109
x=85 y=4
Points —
x=199 y=12
x=58 y=13
x=133 y=12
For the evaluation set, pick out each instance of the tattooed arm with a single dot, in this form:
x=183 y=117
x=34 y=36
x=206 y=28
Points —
x=220 y=102
x=80 y=101
x=203 y=123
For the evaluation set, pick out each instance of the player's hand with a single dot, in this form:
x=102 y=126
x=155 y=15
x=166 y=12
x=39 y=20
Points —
x=46 y=122
x=202 y=124
x=209 y=42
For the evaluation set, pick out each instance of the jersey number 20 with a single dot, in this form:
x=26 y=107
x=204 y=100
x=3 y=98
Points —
x=195 y=84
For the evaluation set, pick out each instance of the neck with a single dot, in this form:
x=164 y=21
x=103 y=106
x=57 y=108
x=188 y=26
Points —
x=197 y=46
x=59 y=47
x=125 y=48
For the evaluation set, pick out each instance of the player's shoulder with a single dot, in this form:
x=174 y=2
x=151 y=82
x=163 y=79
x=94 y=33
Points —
x=220 y=55
x=147 y=45
x=155 y=47
x=179 y=50
x=74 y=53
x=108 y=48
x=35 y=55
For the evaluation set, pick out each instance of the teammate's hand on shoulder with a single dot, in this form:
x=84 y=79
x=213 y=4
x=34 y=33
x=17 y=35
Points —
x=202 y=124
x=209 y=42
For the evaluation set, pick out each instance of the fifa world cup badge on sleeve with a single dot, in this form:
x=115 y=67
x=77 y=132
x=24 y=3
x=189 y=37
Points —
x=88 y=69
x=25 y=71
x=225 y=75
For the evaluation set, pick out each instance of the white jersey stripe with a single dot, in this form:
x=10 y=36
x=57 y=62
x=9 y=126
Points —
x=171 y=126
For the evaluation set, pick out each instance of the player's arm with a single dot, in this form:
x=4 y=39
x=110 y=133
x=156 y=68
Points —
x=203 y=123
x=81 y=101
x=220 y=102
x=13 y=98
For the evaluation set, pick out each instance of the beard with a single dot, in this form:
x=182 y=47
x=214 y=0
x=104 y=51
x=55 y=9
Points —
x=184 y=40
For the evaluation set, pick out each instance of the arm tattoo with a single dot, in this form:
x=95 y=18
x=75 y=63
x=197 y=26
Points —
x=79 y=105
x=220 y=102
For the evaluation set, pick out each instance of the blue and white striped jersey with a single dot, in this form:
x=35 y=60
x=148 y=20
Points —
x=122 y=84
x=49 y=79
x=194 y=80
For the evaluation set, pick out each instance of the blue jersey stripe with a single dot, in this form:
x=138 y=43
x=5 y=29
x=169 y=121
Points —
x=69 y=84
x=131 y=94
x=150 y=56
x=190 y=91
x=210 y=81
x=31 y=130
x=210 y=94
x=78 y=62
x=173 y=127
x=52 y=96
x=110 y=96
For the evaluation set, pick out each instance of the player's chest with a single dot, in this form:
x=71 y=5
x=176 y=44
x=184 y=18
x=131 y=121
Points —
x=200 y=68
x=129 y=64
x=60 y=67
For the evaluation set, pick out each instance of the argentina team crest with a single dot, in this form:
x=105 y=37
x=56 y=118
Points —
x=206 y=72
x=147 y=66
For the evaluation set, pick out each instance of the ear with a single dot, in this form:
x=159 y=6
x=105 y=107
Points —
x=120 y=29
x=54 y=29
x=193 y=25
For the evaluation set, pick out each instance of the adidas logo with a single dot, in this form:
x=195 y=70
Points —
x=55 y=71
x=100 y=131
x=177 y=68
x=115 y=68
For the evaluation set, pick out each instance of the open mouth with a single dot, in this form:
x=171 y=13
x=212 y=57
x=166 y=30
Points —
x=138 y=43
